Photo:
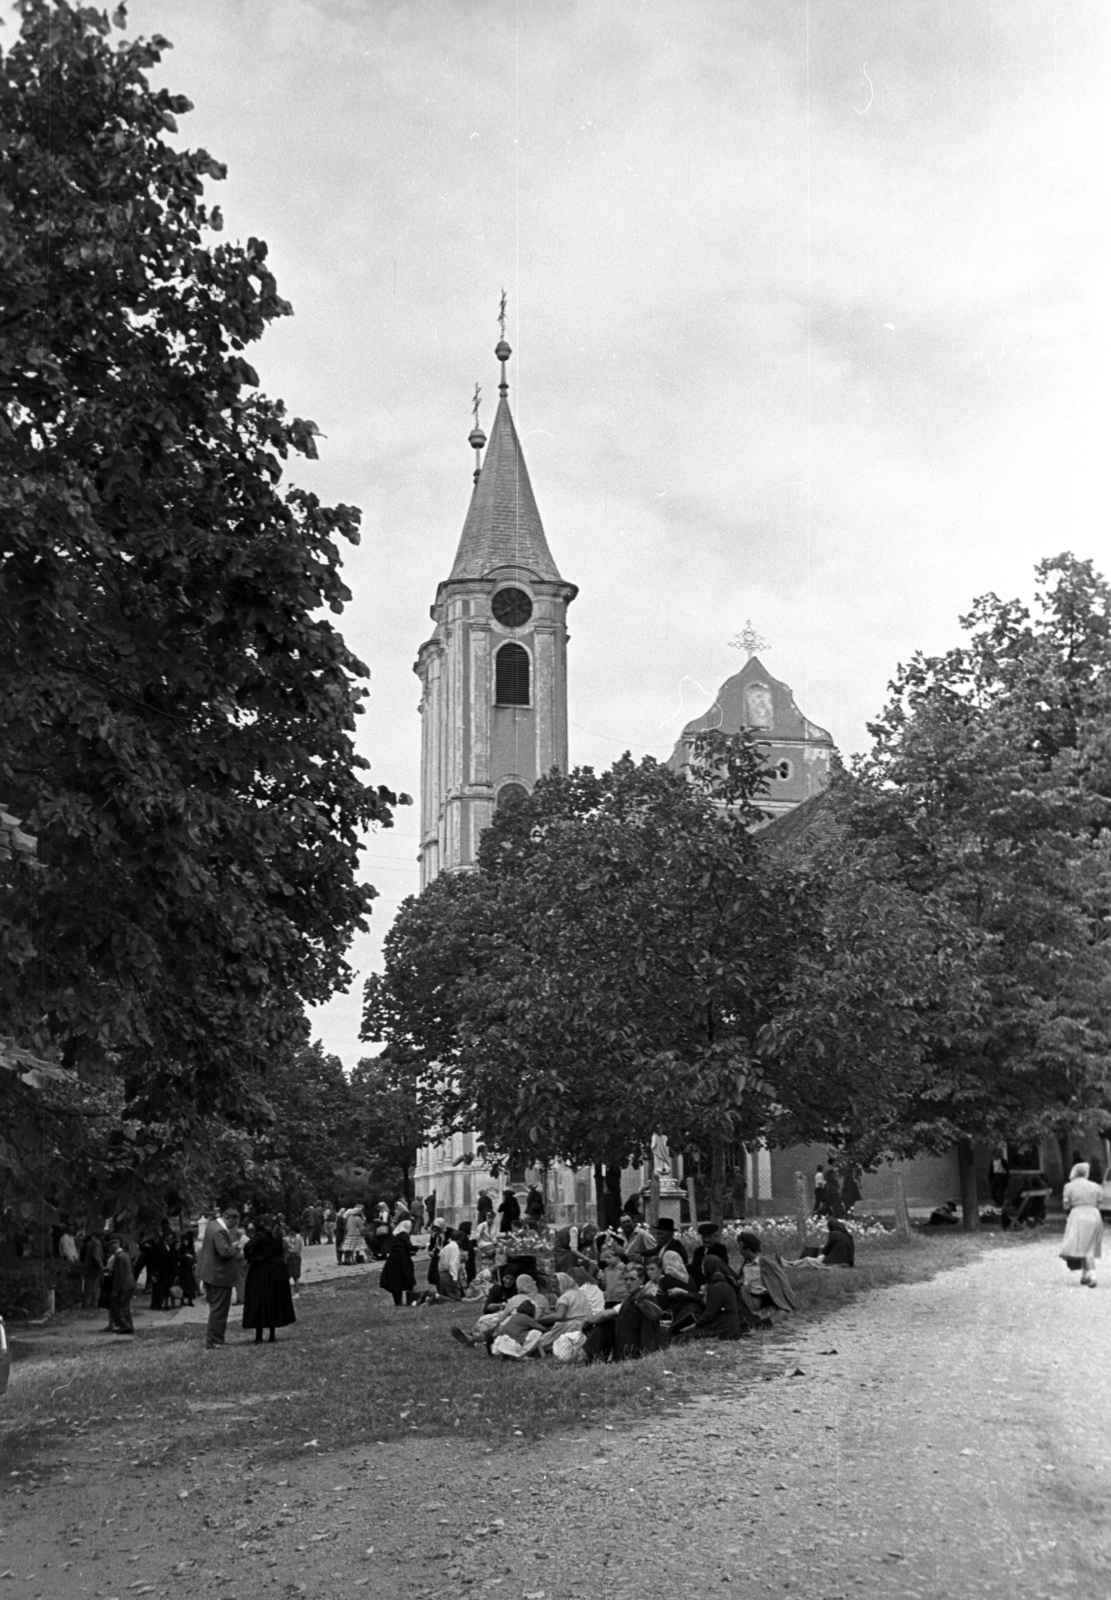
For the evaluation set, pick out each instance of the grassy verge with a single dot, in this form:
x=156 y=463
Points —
x=355 y=1371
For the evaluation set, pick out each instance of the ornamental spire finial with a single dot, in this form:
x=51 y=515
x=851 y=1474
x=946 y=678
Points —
x=748 y=640
x=501 y=349
x=477 y=438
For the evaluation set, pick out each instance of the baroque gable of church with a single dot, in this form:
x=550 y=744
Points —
x=797 y=751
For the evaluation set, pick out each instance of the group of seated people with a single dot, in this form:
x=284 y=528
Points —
x=624 y=1295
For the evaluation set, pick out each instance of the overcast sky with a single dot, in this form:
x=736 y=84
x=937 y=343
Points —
x=807 y=304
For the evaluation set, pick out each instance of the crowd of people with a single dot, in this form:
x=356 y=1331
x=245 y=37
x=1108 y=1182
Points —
x=590 y=1294
x=257 y=1266
x=618 y=1294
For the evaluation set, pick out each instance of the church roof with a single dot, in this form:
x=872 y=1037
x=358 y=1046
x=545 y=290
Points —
x=752 y=698
x=503 y=527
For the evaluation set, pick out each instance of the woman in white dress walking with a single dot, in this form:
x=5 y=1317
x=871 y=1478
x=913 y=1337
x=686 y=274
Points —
x=1083 y=1241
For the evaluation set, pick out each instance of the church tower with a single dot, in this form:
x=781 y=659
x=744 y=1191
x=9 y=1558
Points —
x=494 y=673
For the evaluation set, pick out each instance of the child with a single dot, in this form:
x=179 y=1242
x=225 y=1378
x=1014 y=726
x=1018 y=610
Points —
x=294 y=1248
x=519 y=1334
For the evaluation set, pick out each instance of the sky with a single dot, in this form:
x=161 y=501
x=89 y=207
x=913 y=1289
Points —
x=807 y=304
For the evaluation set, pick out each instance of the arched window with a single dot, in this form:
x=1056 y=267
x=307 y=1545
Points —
x=511 y=685
x=783 y=771
x=511 y=794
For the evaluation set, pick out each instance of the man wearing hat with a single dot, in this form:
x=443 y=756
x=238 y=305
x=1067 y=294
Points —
x=121 y=1286
x=668 y=1239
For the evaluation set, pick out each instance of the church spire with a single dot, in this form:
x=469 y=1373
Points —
x=503 y=527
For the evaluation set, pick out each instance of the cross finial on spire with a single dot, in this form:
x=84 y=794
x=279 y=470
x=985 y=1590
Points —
x=478 y=438
x=748 y=640
x=501 y=349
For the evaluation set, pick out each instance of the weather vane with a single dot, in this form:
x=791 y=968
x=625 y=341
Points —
x=501 y=314
x=476 y=402
x=748 y=639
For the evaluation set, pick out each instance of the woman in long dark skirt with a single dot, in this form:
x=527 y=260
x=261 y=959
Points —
x=398 y=1275
x=267 y=1301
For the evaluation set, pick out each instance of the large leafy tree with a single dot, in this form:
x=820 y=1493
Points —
x=988 y=789
x=607 y=971
x=176 y=711
x=387 y=1125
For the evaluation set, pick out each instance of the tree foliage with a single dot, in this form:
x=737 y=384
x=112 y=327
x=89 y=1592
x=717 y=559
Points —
x=986 y=797
x=606 y=972
x=176 y=711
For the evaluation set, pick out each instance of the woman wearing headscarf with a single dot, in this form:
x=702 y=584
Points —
x=267 y=1300
x=500 y=1306
x=398 y=1275
x=575 y=1304
x=720 y=1317
x=1083 y=1242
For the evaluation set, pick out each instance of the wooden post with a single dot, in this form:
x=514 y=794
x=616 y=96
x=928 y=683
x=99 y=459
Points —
x=802 y=1209
x=902 y=1215
x=691 y=1204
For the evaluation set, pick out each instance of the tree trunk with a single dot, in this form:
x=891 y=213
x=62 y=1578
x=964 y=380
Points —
x=599 y=1193
x=902 y=1215
x=1063 y=1142
x=802 y=1211
x=739 y=1189
x=717 y=1182
x=613 y=1194
x=966 y=1168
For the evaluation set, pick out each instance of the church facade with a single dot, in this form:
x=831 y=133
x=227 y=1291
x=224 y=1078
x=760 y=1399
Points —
x=494 y=719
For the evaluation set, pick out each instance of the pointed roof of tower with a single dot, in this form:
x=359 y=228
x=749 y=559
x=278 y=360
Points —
x=503 y=527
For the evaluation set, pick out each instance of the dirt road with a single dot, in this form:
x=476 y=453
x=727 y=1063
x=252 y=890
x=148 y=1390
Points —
x=943 y=1439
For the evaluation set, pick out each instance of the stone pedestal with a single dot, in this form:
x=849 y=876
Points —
x=671 y=1201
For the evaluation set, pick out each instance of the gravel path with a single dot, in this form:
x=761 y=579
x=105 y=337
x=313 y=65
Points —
x=943 y=1439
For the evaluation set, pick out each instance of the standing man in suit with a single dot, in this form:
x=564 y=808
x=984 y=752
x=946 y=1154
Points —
x=219 y=1261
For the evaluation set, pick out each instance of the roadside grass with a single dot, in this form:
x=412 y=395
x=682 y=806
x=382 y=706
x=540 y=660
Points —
x=355 y=1371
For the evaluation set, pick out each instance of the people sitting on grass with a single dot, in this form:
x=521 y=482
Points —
x=720 y=1316
x=839 y=1249
x=519 y=1334
x=765 y=1285
x=576 y=1304
x=711 y=1244
x=636 y=1327
x=503 y=1301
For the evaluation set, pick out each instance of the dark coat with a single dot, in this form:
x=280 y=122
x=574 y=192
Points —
x=722 y=1317
x=398 y=1274
x=121 y=1274
x=637 y=1330
x=218 y=1258
x=839 y=1250
x=268 y=1300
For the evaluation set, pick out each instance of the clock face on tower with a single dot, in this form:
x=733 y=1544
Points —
x=512 y=607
